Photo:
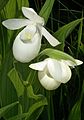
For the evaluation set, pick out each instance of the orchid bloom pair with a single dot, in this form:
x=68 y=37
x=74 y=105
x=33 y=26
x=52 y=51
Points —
x=27 y=44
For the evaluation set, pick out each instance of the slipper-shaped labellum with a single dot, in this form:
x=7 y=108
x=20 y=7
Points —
x=52 y=72
x=28 y=42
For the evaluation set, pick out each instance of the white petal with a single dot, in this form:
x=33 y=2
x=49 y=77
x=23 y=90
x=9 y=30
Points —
x=52 y=40
x=38 y=66
x=48 y=82
x=59 y=70
x=32 y=15
x=72 y=64
x=78 y=62
x=14 y=24
x=25 y=52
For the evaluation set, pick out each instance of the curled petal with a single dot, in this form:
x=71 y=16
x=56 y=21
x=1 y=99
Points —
x=32 y=15
x=72 y=64
x=59 y=70
x=14 y=24
x=38 y=66
x=48 y=82
x=52 y=40
x=25 y=52
x=78 y=62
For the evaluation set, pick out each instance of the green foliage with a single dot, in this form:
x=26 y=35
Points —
x=31 y=110
x=56 y=54
x=46 y=9
x=21 y=3
x=62 y=33
x=13 y=75
x=75 y=113
x=6 y=109
x=19 y=83
x=3 y=3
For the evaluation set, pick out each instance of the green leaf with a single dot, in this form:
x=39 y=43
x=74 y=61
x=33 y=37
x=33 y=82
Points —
x=5 y=109
x=75 y=113
x=3 y=3
x=13 y=75
x=7 y=91
x=56 y=54
x=36 y=114
x=31 y=110
x=46 y=9
x=82 y=47
x=31 y=94
x=10 y=9
x=65 y=30
x=0 y=59
x=35 y=106
x=21 y=3
x=79 y=36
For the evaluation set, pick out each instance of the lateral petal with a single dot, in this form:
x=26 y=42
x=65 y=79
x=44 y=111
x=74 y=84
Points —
x=38 y=66
x=52 y=40
x=14 y=24
x=72 y=64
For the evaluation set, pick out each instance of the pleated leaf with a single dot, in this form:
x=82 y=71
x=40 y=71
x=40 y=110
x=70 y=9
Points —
x=30 y=93
x=3 y=3
x=7 y=92
x=31 y=110
x=5 y=109
x=46 y=9
x=62 y=33
x=14 y=77
x=57 y=54
x=75 y=113
x=21 y=3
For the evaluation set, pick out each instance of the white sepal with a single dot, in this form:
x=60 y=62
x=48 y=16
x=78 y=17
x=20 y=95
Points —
x=32 y=15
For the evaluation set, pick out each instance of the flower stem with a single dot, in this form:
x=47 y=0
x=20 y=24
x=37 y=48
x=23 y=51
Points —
x=50 y=106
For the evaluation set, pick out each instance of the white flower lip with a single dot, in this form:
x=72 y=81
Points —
x=28 y=33
x=26 y=51
x=48 y=82
x=52 y=72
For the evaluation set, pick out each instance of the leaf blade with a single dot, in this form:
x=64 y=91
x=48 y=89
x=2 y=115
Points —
x=13 y=75
x=57 y=54
x=46 y=9
x=5 y=109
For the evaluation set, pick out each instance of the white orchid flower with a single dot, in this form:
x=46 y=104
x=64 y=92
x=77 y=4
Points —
x=53 y=72
x=28 y=42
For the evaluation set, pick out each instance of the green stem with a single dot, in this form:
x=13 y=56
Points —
x=50 y=106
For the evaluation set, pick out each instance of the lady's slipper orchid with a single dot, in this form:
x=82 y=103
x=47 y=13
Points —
x=28 y=42
x=53 y=72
